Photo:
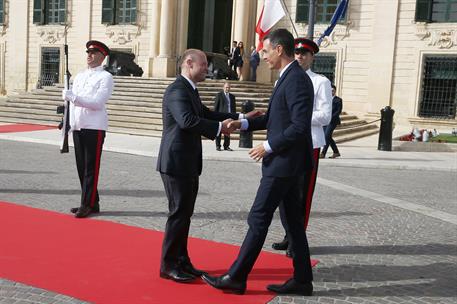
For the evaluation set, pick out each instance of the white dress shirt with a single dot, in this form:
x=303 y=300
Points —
x=91 y=90
x=322 y=109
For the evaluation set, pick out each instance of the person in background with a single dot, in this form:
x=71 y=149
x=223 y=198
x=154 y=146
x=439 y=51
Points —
x=238 y=58
x=337 y=108
x=224 y=103
x=254 y=62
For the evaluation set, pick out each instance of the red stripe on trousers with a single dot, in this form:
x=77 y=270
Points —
x=97 y=168
x=311 y=185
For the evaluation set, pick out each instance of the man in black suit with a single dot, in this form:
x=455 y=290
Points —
x=337 y=108
x=224 y=103
x=286 y=155
x=185 y=120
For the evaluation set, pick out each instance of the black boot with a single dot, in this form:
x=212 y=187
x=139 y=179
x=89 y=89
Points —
x=281 y=245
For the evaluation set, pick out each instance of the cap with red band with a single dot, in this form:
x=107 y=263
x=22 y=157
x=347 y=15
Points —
x=306 y=44
x=94 y=45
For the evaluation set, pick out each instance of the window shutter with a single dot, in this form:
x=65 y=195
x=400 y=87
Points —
x=63 y=11
x=108 y=7
x=38 y=11
x=302 y=11
x=424 y=10
x=133 y=14
x=2 y=11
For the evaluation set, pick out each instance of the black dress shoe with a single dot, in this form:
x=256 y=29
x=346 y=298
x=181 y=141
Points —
x=190 y=269
x=225 y=283
x=292 y=287
x=177 y=275
x=218 y=149
x=290 y=253
x=83 y=212
x=228 y=149
x=281 y=245
x=95 y=209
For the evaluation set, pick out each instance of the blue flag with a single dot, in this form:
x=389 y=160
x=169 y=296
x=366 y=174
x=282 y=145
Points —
x=339 y=12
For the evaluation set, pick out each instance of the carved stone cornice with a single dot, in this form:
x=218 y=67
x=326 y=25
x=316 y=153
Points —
x=52 y=33
x=339 y=33
x=123 y=34
x=436 y=35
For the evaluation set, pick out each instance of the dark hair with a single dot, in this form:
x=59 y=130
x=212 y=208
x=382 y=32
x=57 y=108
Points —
x=284 y=38
x=234 y=41
x=333 y=86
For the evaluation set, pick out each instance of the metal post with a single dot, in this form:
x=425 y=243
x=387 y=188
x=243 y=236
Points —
x=311 y=18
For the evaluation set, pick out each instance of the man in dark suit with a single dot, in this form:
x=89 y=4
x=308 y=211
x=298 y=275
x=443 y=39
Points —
x=337 y=108
x=185 y=120
x=224 y=103
x=286 y=155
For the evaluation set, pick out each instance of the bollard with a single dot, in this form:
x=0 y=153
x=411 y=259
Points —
x=246 y=136
x=385 y=131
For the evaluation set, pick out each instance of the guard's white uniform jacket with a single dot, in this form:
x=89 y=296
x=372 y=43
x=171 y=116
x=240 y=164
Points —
x=92 y=89
x=322 y=109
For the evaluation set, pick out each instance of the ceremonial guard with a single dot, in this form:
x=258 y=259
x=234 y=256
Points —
x=87 y=97
x=305 y=49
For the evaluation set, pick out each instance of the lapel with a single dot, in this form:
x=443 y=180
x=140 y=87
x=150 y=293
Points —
x=278 y=84
x=195 y=98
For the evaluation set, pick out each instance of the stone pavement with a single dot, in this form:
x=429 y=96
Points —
x=383 y=224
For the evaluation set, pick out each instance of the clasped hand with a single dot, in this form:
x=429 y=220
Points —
x=230 y=125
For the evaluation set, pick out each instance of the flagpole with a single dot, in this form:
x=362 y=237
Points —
x=311 y=19
x=288 y=15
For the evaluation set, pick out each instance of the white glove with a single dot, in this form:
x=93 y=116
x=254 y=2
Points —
x=68 y=95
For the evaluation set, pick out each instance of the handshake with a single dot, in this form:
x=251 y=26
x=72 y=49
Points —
x=230 y=125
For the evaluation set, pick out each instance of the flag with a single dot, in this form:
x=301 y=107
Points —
x=272 y=12
x=339 y=12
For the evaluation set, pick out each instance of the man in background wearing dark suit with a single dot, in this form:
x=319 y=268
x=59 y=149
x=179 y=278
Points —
x=286 y=154
x=337 y=108
x=185 y=120
x=224 y=103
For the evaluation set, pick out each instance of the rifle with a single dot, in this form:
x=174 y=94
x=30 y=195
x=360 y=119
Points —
x=65 y=109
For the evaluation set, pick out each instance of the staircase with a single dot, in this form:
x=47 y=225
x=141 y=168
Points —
x=136 y=106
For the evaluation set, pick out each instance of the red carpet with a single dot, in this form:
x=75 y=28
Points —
x=23 y=128
x=105 y=262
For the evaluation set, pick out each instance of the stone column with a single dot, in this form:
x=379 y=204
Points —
x=383 y=51
x=243 y=28
x=16 y=61
x=154 y=15
x=183 y=23
x=165 y=64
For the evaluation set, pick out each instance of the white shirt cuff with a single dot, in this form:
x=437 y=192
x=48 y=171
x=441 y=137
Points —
x=219 y=130
x=241 y=116
x=267 y=147
x=244 y=124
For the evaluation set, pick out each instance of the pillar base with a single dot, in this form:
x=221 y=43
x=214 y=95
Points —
x=162 y=67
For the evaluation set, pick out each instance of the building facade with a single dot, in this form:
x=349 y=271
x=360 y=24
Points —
x=398 y=53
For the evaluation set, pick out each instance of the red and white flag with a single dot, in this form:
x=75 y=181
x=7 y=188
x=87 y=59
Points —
x=272 y=12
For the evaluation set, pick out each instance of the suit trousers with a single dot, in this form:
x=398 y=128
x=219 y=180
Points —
x=308 y=185
x=329 y=138
x=181 y=193
x=273 y=190
x=88 y=151
x=226 y=141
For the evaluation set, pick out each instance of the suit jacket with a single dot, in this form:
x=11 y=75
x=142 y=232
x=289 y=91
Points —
x=185 y=120
x=337 y=108
x=288 y=124
x=220 y=103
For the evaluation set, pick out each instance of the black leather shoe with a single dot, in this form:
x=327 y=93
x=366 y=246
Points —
x=96 y=209
x=190 y=269
x=281 y=245
x=218 y=149
x=83 y=212
x=177 y=276
x=225 y=283
x=228 y=149
x=290 y=253
x=292 y=287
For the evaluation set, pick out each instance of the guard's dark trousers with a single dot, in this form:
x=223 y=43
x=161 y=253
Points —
x=88 y=151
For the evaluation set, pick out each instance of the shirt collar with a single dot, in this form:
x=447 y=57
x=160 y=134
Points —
x=190 y=81
x=285 y=68
x=97 y=68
